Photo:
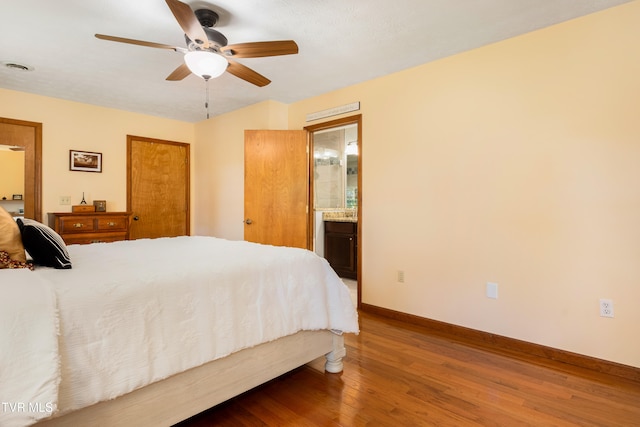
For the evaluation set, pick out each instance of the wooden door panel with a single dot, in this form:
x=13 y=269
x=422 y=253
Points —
x=276 y=187
x=158 y=193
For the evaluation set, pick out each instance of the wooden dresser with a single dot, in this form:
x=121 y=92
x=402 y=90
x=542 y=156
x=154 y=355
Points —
x=90 y=227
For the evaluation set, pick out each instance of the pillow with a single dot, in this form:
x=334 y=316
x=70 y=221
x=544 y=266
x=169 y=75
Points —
x=45 y=246
x=7 y=262
x=10 y=240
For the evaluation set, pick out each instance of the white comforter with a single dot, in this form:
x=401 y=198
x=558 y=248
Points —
x=135 y=312
x=29 y=358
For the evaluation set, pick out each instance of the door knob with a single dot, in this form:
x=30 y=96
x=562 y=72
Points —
x=135 y=218
x=248 y=221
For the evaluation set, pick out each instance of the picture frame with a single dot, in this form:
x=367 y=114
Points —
x=100 y=205
x=85 y=161
x=17 y=197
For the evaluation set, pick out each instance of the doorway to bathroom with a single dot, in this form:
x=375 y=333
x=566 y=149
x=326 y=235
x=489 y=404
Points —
x=336 y=197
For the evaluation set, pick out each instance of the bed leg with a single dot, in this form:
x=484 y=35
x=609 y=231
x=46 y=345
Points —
x=334 y=363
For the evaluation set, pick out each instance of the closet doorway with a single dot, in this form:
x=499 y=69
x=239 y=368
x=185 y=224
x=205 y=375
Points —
x=335 y=224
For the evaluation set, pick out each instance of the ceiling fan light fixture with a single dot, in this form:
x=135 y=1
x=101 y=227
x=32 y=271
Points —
x=205 y=64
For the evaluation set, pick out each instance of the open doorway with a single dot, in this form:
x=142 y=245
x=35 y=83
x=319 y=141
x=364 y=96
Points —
x=25 y=137
x=335 y=199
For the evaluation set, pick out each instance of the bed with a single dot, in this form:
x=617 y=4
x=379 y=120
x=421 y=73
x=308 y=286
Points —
x=153 y=331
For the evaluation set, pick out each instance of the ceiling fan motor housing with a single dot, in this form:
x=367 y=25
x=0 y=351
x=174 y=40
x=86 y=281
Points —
x=207 y=18
x=215 y=37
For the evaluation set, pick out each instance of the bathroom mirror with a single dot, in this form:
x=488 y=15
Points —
x=335 y=167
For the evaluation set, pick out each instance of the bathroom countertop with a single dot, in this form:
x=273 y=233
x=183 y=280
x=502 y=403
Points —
x=340 y=216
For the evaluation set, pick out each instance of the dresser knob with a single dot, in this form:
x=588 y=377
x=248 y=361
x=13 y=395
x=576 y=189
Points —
x=111 y=224
x=78 y=225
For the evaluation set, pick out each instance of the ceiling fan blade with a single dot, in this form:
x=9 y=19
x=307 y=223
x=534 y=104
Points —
x=179 y=73
x=138 y=42
x=247 y=74
x=188 y=22
x=261 y=49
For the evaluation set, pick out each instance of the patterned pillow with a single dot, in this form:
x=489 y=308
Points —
x=10 y=240
x=45 y=246
x=7 y=262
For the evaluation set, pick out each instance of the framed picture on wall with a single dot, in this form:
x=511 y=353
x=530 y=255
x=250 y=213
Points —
x=85 y=161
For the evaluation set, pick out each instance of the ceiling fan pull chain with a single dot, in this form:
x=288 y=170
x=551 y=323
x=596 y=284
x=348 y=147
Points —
x=206 y=102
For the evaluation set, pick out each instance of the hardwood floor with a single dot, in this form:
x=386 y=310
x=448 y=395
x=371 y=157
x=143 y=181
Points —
x=398 y=374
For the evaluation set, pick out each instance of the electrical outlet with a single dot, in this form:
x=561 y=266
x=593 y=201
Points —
x=400 y=276
x=606 y=307
x=65 y=200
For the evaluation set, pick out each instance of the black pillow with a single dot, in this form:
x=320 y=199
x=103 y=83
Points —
x=45 y=246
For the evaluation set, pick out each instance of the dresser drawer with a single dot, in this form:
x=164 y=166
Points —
x=86 y=238
x=112 y=223
x=76 y=224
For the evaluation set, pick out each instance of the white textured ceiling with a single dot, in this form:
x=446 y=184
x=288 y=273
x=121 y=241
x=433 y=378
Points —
x=342 y=42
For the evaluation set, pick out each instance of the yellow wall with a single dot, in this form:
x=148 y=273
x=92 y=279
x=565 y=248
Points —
x=517 y=163
x=73 y=126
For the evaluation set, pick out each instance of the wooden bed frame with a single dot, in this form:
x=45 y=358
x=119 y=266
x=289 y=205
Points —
x=183 y=395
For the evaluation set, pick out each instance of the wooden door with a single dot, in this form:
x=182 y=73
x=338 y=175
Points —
x=276 y=187
x=157 y=187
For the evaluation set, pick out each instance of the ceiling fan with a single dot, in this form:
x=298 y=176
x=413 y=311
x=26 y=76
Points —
x=207 y=53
